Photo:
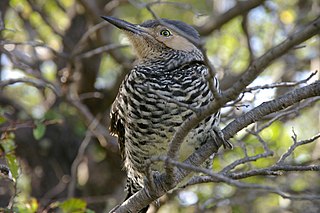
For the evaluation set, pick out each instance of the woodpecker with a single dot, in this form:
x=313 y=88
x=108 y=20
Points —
x=170 y=68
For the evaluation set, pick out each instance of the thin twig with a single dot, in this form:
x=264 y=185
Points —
x=244 y=160
x=86 y=35
x=34 y=44
x=80 y=155
x=253 y=71
x=45 y=17
x=99 y=131
x=99 y=50
x=230 y=181
x=291 y=110
x=144 y=197
x=270 y=171
x=214 y=22
x=294 y=146
x=280 y=84
x=245 y=29
x=39 y=83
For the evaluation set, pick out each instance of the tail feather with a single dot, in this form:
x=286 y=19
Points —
x=131 y=189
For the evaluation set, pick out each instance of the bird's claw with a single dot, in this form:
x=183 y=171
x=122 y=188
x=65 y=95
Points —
x=220 y=137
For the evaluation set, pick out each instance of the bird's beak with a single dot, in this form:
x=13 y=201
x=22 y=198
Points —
x=124 y=25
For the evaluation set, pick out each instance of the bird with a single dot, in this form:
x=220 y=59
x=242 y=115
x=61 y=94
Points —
x=167 y=81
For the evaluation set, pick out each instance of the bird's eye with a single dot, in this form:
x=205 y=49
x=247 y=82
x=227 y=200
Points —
x=165 y=33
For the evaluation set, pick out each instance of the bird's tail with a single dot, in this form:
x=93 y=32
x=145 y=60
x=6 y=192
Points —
x=131 y=189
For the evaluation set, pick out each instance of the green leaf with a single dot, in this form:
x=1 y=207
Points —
x=2 y=119
x=13 y=165
x=39 y=131
x=73 y=205
x=28 y=206
x=8 y=143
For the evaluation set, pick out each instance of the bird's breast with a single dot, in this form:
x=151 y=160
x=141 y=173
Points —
x=152 y=113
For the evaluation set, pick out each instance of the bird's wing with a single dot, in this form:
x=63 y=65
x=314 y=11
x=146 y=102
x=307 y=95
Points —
x=117 y=126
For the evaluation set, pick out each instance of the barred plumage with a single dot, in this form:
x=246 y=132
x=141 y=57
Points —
x=142 y=119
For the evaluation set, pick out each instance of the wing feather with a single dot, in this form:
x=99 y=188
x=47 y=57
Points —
x=117 y=126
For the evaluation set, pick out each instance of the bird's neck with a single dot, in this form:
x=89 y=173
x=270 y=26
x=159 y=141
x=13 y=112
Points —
x=170 y=60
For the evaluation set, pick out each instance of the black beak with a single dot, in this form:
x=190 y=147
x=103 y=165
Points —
x=123 y=25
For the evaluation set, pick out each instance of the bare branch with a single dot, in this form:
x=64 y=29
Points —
x=144 y=197
x=226 y=179
x=265 y=60
x=245 y=160
x=281 y=84
x=266 y=108
x=88 y=95
x=19 y=63
x=253 y=71
x=86 y=35
x=39 y=83
x=270 y=171
x=79 y=158
x=237 y=100
x=98 y=130
x=215 y=22
x=35 y=44
x=44 y=17
x=184 y=6
x=245 y=29
x=291 y=110
x=2 y=27
x=14 y=125
x=294 y=146
x=100 y=50
x=274 y=170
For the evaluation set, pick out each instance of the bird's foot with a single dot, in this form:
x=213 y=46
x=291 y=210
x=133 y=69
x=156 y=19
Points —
x=220 y=137
x=149 y=183
x=149 y=180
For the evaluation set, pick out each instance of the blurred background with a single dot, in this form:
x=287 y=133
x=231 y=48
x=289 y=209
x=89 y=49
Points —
x=60 y=69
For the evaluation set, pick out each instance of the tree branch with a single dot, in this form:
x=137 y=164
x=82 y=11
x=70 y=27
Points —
x=281 y=84
x=252 y=72
x=214 y=22
x=38 y=83
x=266 y=108
x=145 y=196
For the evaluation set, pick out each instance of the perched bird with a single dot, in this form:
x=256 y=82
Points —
x=170 y=68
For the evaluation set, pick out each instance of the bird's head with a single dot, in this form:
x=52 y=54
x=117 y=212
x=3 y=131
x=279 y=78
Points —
x=154 y=38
